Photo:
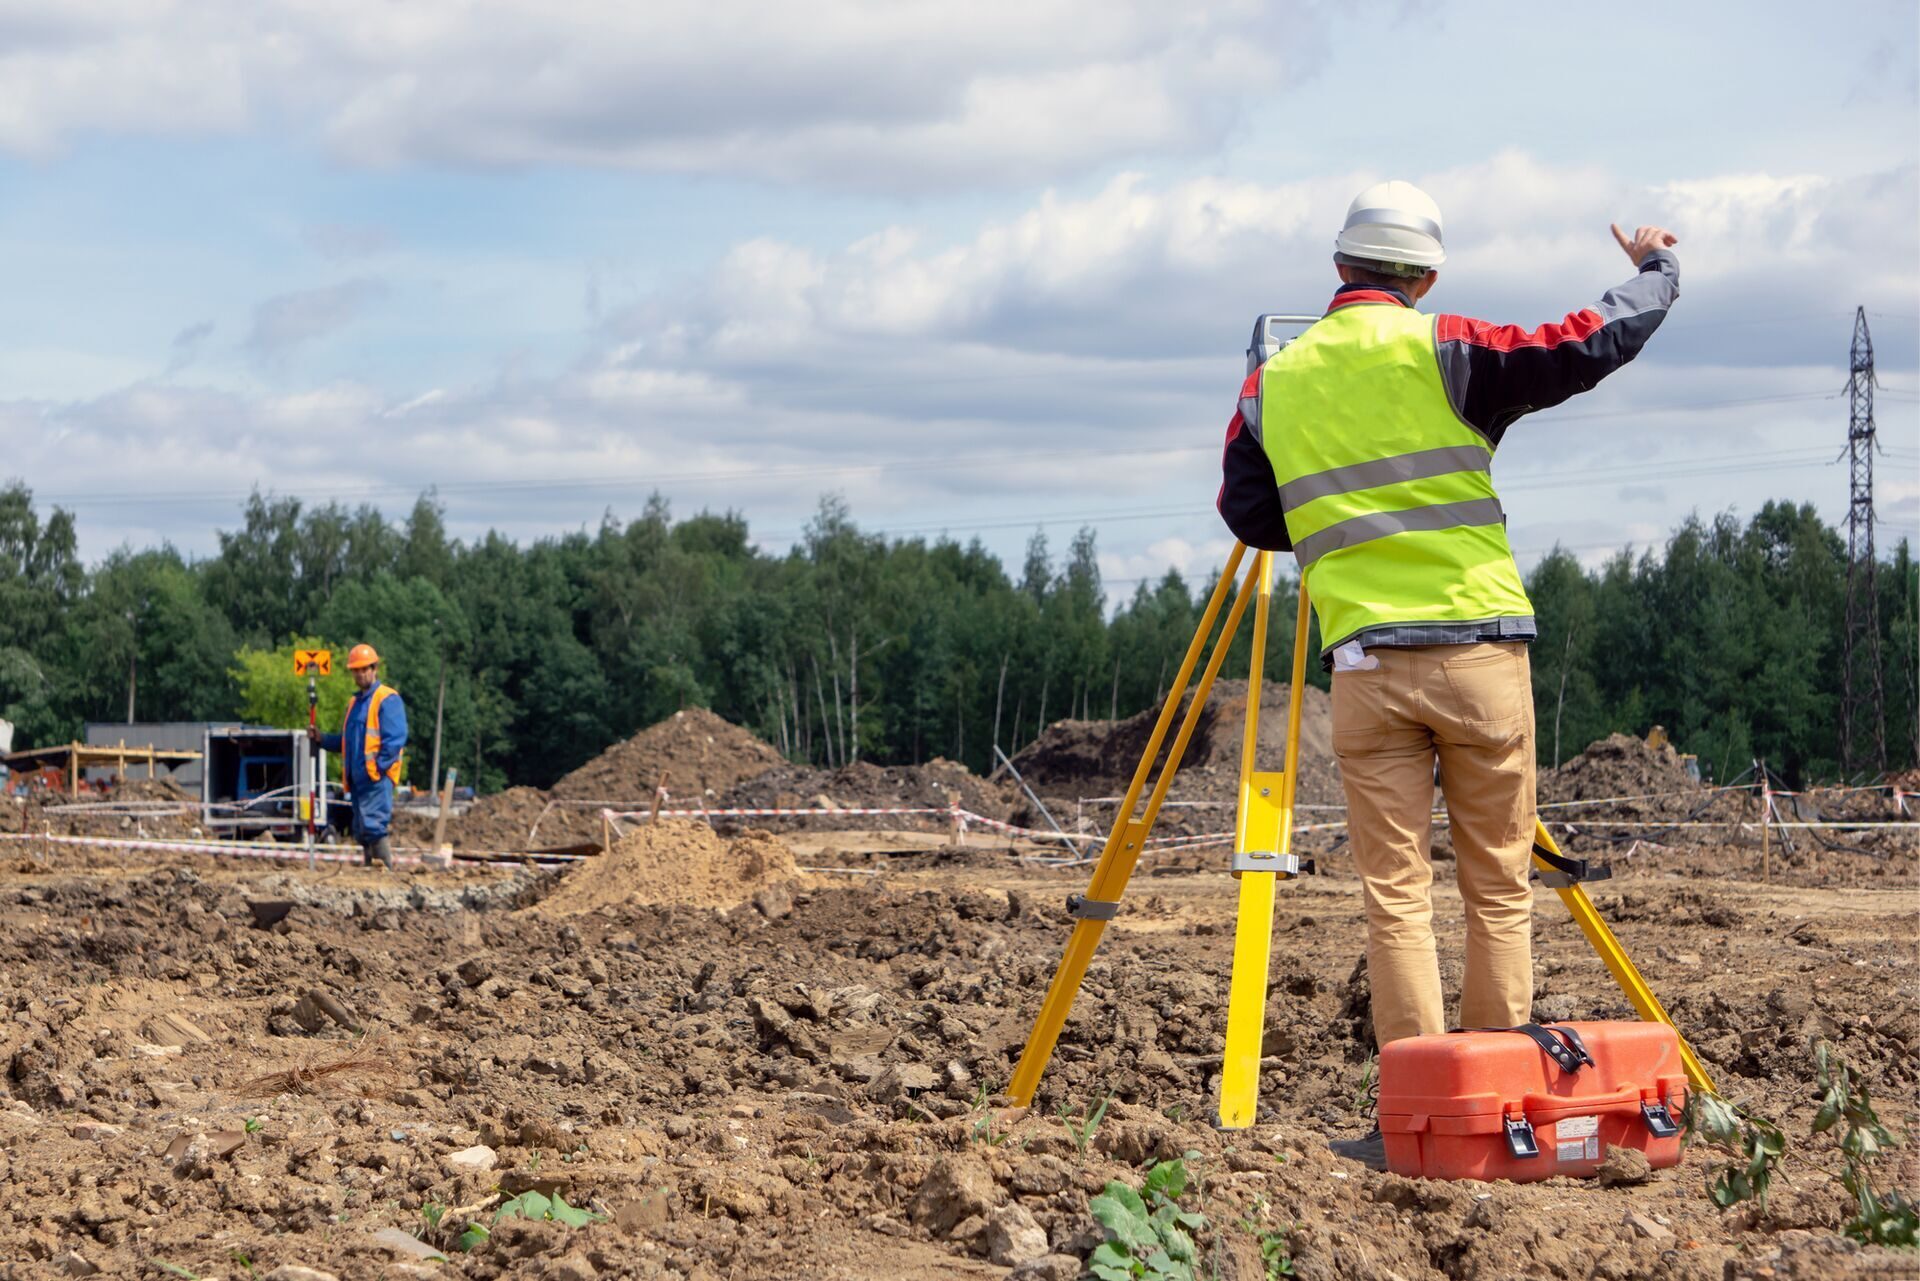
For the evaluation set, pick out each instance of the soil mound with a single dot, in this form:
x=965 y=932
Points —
x=673 y=863
x=692 y=753
x=151 y=789
x=521 y=818
x=863 y=785
x=1618 y=765
x=1086 y=757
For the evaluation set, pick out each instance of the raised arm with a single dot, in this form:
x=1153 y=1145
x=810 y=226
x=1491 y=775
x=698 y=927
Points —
x=1496 y=373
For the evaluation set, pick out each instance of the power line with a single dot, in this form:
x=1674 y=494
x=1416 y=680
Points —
x=1785 y=460
x=736 y=475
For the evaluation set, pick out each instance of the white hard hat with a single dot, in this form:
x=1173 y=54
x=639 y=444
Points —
x=1392 y=223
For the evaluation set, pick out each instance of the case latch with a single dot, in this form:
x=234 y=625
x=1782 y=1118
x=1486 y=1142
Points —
x=1520 y=1140
x=1659 y=1120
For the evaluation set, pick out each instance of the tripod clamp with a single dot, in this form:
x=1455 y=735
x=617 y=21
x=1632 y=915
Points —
x=1082 y=908
x=1287 y=865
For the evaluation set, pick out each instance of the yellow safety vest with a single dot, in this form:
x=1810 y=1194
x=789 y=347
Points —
x=380 y=695
x=1388 y=496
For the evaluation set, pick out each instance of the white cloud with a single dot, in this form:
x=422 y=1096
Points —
x=1139 y=270
x=876 y=96
x=1074 y=362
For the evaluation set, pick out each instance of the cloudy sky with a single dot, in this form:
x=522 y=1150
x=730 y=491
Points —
x=976 y=267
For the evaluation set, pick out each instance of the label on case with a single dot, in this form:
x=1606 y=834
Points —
x=1577 y=1138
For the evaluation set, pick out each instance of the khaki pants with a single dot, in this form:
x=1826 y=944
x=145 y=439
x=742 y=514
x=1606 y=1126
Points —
x=1472 y=707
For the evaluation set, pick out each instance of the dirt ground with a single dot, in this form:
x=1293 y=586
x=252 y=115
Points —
x=797 y=1077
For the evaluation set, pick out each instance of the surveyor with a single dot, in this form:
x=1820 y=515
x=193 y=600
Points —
x=371 y=745
x=1365 y=447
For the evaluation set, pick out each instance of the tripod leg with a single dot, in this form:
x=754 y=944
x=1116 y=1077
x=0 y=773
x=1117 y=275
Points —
x=1263 y=838
x=1618 y=963
x=1129 y=834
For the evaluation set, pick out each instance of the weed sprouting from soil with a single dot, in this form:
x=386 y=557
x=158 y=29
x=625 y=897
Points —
x=1276 y=1261
x=1082 y=1131
x=1366 y=1094
x=1879 y=1218
x=1754 y=1142
x=1148 y=1235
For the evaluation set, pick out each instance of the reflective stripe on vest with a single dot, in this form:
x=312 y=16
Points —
x=380 y=695
x=1388 y=495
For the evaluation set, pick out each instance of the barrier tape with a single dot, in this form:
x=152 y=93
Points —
x=764 y=813
x=232 y=849
x=269 y=850
x=1848 y=826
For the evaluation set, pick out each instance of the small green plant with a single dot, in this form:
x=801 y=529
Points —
x=1275 y=1259
x=1879 y=1219
x=983 y=1131
x=533 y=1162
x=1082 y=1132
x=431 y=1213
x=242 y=1260
x=1174 y=1112
x=255 y=1124
x=1148 y=1235
x=471 y=1237
x=1754 y=1142
x=537 y=1205
x=1273 y=1254
x=176 y=1270
x=1363 y=1096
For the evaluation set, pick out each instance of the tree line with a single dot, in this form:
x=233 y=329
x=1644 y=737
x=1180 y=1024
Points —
x=852 y=646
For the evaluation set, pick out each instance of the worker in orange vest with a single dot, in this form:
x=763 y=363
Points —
x=371 y=745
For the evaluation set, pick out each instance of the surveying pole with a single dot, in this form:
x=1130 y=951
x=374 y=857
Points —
x=313 y=774
x=312 y=664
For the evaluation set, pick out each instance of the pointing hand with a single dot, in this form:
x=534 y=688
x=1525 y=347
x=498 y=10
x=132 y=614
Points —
x=1644 y=241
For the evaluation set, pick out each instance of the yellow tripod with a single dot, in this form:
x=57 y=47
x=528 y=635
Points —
x=1262 y=856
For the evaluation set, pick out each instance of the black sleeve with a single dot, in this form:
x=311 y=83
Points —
x=1249 y=500
x=1496 y=373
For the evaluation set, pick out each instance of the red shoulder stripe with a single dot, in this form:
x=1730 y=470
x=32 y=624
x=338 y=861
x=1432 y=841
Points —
x=1577 y=327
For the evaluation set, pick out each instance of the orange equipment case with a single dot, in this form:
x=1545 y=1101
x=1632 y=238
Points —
x=1531 y=1102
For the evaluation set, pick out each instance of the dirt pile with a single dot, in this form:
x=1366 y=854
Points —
x=673 y=863
x=1618 y=765
x=523 y=818
x=863 y=785
x=153 y=789
x=1078 y=758
x=692 y=753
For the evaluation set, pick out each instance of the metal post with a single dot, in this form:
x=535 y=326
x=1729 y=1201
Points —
x=1030 y=796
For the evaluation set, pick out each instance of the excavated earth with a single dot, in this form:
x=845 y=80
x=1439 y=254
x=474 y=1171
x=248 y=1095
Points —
x=753 y=1071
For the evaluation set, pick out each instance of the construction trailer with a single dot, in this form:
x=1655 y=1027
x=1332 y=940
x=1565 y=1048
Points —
x=138 y=737
x=254 y=779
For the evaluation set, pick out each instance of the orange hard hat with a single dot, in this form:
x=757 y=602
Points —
x=361 y=656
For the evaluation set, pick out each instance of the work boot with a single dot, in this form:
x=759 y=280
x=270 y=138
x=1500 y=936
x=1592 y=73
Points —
x=1370 y=1151
x=383 y=852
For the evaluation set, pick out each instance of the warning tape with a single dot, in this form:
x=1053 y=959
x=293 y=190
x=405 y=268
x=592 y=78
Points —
x=1607 y=822
x=765 y=813
x=230 y=849
x=268 y=850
